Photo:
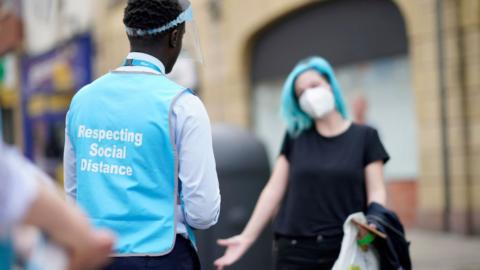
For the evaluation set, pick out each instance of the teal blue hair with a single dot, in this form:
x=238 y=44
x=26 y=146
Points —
x=296 y=119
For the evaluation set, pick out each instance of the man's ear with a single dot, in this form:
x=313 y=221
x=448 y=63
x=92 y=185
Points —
x=174 y=39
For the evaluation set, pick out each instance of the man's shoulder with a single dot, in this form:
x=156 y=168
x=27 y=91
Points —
x=188 y=101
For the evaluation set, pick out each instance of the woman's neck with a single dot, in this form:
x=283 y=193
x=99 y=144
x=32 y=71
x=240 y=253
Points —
x=332 y=124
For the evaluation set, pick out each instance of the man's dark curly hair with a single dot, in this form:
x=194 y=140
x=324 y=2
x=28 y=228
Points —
x=150 y=14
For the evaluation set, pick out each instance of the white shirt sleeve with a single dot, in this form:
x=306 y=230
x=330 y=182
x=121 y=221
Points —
x=69 y=172
x=70 y=175
x=197 y=170
x=18 y=189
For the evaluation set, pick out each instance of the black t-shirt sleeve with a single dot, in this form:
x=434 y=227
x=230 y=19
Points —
x=375 y=151
x=286 y=146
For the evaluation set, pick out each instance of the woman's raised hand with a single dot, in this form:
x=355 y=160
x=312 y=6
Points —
x=236 y=247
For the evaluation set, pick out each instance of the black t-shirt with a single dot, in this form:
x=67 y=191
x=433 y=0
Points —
x=326 y=181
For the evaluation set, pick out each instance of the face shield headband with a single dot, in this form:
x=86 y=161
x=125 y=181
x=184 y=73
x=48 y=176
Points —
x=191 y=48
x=185 y=16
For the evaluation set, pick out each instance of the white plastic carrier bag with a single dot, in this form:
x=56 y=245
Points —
x=352 y=257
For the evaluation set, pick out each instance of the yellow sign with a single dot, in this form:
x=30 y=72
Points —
x=41 y=104
x=62 y=77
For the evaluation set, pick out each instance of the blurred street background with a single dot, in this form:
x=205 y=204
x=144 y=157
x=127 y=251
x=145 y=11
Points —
x=410 y=68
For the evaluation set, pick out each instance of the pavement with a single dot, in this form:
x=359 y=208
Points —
x=441 y=251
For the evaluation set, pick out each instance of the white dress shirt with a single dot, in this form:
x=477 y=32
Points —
x=197 y=171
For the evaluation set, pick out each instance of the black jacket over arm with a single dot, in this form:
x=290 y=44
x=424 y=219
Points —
x=394 y=251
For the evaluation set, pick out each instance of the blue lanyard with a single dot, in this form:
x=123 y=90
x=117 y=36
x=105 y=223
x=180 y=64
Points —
x=141 y=63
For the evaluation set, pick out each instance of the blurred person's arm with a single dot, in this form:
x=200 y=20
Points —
x=376 y=191
x=67 y=227
x=69 y=171
x=27 y=197
x=197 y=170
x=265 y=209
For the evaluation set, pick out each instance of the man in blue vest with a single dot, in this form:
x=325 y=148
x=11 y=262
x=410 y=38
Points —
x=138 y=154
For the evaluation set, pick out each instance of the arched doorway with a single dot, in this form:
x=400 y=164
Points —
x=366 y=43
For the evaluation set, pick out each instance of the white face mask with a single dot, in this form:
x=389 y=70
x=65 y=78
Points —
x=317 y=102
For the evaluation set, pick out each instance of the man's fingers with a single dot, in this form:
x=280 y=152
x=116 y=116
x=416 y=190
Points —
x=224 y=242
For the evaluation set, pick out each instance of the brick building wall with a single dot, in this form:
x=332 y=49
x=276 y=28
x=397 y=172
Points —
x=228 y=28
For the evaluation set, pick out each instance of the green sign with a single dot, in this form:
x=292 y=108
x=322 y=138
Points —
x=2 y=70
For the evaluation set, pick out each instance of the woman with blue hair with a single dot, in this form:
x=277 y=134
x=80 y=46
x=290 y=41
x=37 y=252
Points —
x=328 y=168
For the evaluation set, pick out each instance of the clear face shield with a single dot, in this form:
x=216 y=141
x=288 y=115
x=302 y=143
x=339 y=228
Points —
x=191 y=42
x=191 y=48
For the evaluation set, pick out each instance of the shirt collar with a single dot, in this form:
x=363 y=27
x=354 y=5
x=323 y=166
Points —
x=148 y=58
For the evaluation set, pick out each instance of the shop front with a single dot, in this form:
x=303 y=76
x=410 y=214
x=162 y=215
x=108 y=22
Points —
x=49 y=82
